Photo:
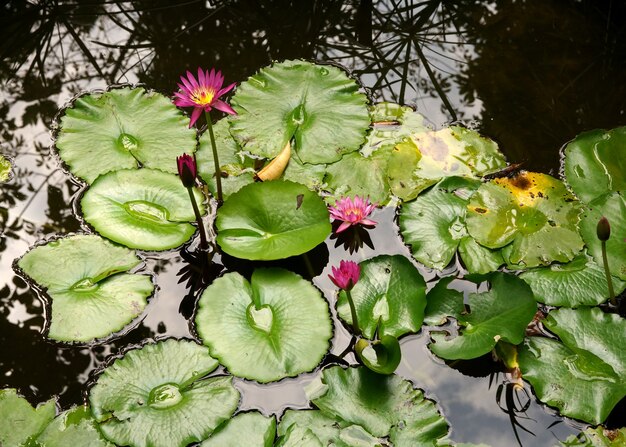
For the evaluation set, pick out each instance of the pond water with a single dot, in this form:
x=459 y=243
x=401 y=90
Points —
x=530 y=75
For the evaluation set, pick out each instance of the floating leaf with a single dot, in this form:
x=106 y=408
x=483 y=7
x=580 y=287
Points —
x=145 y=209
x=19 y=421
x=595 y=163
x=583 y=374
x=358 y=175
x=382 y=356
x=246 y=429
x=318 y=106
x=5 y=169
x=312 y=427
x=74 y=427
x=84 y=275
x=383 y=405
x=532 y=212
x=277 y=325
x=311 y=176
x=272 y=220
x=597 y=437
x=391 y=290
x=427 y=157
x=581 y=282
x=123 y=128
x=237 y=168
x=391 y=123
x=155 y=396
x=502 y=313
x=613 y=207
x=479 y=259
x=443 y=303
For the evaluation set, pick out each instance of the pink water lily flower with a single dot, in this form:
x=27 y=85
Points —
x=352 y=212
x=346 y=276
x=203 y=94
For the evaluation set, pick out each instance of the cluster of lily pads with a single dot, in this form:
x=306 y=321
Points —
x=306 y=131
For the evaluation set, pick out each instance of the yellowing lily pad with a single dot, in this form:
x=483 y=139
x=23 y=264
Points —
x=532 y=214
x=5 y=169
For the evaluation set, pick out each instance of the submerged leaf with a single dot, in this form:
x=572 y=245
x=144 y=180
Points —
x=277 y=325
x=123 y=128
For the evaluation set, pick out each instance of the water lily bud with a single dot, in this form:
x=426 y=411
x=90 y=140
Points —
x=187 y=170
x=603 y=230
x=346 y=276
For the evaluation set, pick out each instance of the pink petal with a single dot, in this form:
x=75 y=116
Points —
x=201 y=77
x=368 y=222
x=226 y=89
x=221 y=105
x=344 y=226
x=197 y=111
x=192 y=80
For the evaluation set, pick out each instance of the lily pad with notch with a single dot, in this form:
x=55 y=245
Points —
x=277 y=325
x=158 y=396
x=86 y=277
x=316 y=105
x=384 y=405
x=501 y=313
x=532 y=214
x=390 y=297
x=146 y=209
x=250 y=429
x=582 y=374
x=121 y=129
x=272 y=220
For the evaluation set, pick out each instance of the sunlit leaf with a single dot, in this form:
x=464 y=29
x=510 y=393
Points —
x=582 y=374
x=277 y=325
x=145 y=209
x=246 y=429
x=19 y=421
x=390 y=295
x=272 y=220
x=382 y=356
x=91 y=292
x=123 y=128
x=316 y=105
x=156 y=396
x=5 y=169
x=597 y=437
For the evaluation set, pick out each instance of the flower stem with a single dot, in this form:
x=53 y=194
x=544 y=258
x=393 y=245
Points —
x=355 y=321
x=218 y=171
x=203 y=241
x=607 y=272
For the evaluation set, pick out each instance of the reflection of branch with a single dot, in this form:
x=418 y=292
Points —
x=35 y=192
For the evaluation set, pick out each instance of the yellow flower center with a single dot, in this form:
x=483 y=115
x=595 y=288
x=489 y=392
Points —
x=203 y=96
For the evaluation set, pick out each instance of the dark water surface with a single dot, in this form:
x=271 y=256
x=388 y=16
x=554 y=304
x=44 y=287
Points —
x=530 y=75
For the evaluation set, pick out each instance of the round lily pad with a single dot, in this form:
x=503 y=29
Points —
x=582 y=374
x=443 y=303
x=246 y=429
x=91 y=294
x=613 y=207
x=532 y=212
x=277 y=325
x=390 y=295
x=384 y=405
x=156 y=396
x=5 y=169
x=581 y=282
x=272 y=220
x=501 y=313
x=595 y=163
x=145 y=209
x=19 y=421
x=304 y=101
x=75 y=426
x=123 y=128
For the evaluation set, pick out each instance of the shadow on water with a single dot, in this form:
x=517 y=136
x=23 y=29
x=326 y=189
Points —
x=531 y=75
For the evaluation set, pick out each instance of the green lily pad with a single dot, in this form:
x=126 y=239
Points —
x=272 y=220
x=581 y=282
x=613 y=207
x=443 y=303
x=156 y=396
x=5 y=169
x=237 y=167
x=19 y=421
x=502 y=313
x=75 y=426
x=383 y=405
x=358 y=175
x=310 y=175
x=382 y=356
x=595 y=163
x=583 y=374
x=123 y=128
x=477 y=258
x=277 y=325
x=145 y=209
x=391 y=123
x=391 y=290
x=300 y=100
x=532 y=212
x=246 y=429
x=597 y=437
x=426 y=157
x=314 y=428
x=91 y=295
